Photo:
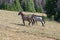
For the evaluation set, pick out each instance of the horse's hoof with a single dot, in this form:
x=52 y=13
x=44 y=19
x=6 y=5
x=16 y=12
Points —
x=43 y=26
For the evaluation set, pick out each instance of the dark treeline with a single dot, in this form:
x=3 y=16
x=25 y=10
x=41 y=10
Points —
x=20 y=5
x=31 y=6
x=52 y=10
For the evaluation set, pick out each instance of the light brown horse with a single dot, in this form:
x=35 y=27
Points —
x=26 y=18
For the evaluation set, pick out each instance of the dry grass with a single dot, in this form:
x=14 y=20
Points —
x=11 y=28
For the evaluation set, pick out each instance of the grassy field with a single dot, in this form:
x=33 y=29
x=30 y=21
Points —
x=11 y=28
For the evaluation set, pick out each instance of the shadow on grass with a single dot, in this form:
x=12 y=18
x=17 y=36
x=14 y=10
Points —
x=18 y=24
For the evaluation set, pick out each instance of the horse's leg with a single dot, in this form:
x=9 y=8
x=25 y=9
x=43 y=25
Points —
x=33 y=22
x=29 y=23
x=42 y=23
x=23 y=22
x=36 y=21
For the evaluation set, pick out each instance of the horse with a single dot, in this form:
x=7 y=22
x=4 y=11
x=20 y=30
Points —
x=38 y=18
x=26 y=18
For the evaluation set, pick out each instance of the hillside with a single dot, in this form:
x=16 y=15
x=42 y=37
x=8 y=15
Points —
x=11 y=28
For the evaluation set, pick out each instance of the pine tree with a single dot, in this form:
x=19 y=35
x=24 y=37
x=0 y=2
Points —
x=50 y=8
x=17 y=5
x=39 y=9
x=29 y=5
x=57 y=16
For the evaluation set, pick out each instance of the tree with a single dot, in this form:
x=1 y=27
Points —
x=39 y=9
x=17 y=5
x=57 y=16
x=28 y=5
x=50 y=8
x=39 y=5
x=2 y=6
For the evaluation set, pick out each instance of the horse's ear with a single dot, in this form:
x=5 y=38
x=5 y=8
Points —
x=20 y=12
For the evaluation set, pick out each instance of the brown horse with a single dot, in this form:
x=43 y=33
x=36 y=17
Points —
x=26 y=18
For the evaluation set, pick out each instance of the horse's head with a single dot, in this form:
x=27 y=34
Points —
x=19 y=13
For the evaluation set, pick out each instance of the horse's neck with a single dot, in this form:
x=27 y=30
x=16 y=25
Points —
x=22 y=15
